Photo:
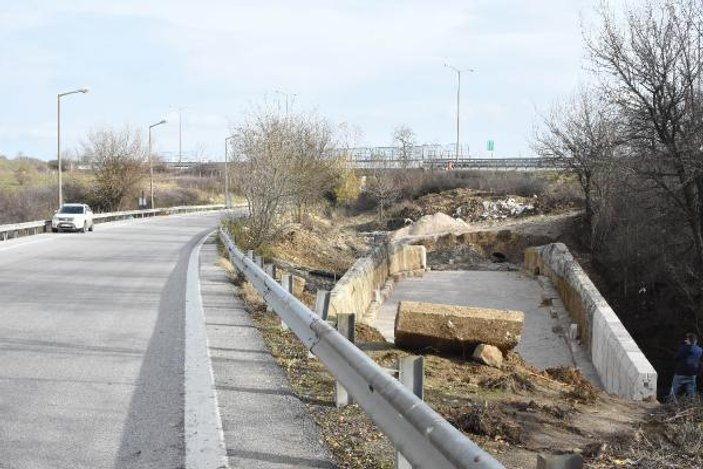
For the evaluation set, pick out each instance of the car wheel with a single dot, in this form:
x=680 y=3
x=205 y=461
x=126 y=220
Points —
x=54 y=230
x=92 y=225
x=85 y=227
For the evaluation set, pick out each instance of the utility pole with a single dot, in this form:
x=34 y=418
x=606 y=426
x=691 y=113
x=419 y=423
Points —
x=287 y=95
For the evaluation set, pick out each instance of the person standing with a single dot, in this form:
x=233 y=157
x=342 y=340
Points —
x=688 y=361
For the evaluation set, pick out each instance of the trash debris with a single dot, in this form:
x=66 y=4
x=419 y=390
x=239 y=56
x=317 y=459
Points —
x=500 y=209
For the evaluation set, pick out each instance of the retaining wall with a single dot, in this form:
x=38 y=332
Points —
x=356 y=290
x=621 y=365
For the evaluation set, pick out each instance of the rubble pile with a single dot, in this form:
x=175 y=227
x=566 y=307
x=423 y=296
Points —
x=499 y=209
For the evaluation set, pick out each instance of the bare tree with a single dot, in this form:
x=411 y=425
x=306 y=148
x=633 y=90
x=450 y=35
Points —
x=580 y=134
x=314 y=167
x=650 y=65
x=404 y=139
x=119 y=161
x=383 y=185
x=284 y=162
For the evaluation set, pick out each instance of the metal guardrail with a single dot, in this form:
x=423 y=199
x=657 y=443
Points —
x=420 y=434
x=40 y=226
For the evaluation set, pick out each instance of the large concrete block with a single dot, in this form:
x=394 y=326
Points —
x=298 y=286
x=454 y=329
x=355 y=291
x=406 y=258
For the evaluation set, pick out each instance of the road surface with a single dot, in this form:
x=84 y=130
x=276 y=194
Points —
x=92 y=345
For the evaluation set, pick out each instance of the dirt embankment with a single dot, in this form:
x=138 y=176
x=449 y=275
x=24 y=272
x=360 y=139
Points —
x=320 y=245
x=515 y=412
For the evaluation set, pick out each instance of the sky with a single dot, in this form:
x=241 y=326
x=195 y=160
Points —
x=374 y=65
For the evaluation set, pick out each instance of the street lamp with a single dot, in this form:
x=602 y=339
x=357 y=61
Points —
x=58 y=137
x=227 y=201
x=458 y=95
x=151 y=163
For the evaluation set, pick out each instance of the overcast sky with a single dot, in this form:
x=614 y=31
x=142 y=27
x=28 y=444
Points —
x=373 y=64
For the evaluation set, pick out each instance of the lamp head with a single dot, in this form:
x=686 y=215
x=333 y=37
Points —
x=84 y=90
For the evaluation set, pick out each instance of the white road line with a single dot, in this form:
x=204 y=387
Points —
x=204 y=438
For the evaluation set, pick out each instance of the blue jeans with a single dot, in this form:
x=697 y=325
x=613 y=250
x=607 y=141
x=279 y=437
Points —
x=681 y=383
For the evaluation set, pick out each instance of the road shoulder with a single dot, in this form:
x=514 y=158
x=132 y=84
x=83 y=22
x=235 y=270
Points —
x=265 y=424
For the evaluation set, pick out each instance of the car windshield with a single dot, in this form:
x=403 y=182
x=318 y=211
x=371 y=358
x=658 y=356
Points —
x=71 y=209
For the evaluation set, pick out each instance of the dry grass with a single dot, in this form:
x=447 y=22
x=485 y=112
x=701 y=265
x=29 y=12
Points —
x=349 y=433
x=514 y=413
x=672 y=437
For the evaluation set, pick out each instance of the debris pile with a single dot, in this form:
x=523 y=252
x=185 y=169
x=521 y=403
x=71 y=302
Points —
x=499 y=209
x=433 y=224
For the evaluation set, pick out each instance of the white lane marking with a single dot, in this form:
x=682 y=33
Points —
x=204 y=437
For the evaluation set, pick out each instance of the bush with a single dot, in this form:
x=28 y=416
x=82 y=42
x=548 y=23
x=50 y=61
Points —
x=348 y=188
x=176 y=196
x=27 y=204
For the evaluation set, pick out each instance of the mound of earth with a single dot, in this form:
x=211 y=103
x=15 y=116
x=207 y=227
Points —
x=319 y=245
x=437 y=223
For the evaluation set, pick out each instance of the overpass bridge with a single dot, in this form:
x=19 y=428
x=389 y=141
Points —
x=465 y=164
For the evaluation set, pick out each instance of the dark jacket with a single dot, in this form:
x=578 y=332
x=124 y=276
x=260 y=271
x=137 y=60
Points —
x=688 y=360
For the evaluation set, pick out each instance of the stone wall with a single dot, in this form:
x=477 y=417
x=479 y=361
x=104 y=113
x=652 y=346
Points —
x=621 y=365
x=356 y=290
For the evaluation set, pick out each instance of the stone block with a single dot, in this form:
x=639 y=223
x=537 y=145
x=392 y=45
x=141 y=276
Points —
x=455 y=329
x=298 y=286
x=488 y=355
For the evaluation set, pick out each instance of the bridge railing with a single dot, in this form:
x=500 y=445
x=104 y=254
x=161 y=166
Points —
x=423 y=437
x=16 y=230
x=458 y=164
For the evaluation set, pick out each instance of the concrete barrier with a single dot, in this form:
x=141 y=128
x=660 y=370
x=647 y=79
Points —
x=621 y=365
x=356 y=290
x=455 y=329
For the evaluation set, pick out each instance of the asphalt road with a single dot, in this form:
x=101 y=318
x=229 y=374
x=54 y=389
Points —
x=92 y=345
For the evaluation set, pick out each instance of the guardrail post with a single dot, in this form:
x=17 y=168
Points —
x=411 y=374
x=231 y=261
x=270 y=270
x=250 y=254
x=345 y=326
x=287 y=284
x=322 y=303
x=258 y=260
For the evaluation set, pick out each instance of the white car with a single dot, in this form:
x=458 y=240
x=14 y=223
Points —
x=73 y=217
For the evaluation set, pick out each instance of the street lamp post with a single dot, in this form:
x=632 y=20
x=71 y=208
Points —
x=227 y=201
x=58 y=136
x=458 y=97
x=151 y=164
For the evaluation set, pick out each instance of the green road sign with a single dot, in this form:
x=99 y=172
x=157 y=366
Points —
x=491 y=145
